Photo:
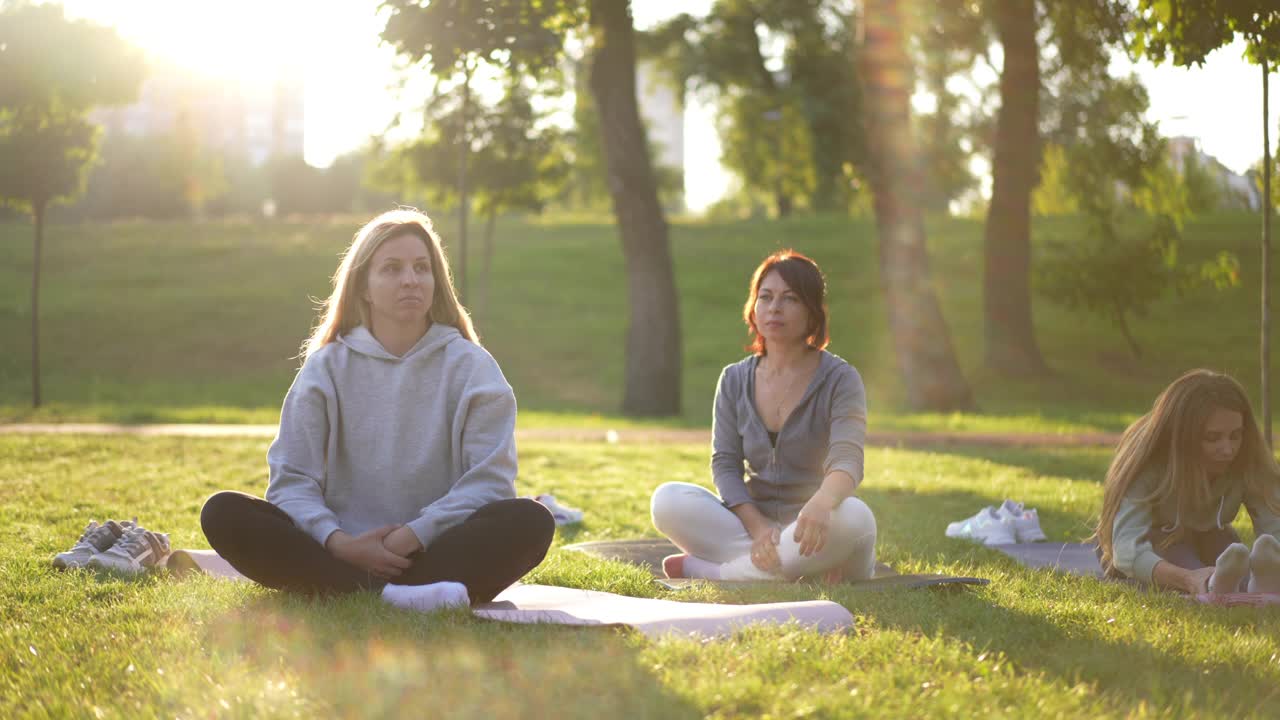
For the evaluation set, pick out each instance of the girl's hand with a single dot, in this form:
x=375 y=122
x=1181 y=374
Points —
x=764 y=548
x=813 y=523
x=366 y=552
x=402 y=542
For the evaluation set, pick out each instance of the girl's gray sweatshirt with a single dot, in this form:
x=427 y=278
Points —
x=1132 y=551
x=369 y=439
x=825 y=432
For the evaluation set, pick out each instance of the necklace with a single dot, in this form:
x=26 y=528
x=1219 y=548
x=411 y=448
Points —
x=781 y=398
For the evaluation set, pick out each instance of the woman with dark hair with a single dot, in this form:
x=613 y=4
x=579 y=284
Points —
x=394 y=467
x=787 y=437
x=1179 y=477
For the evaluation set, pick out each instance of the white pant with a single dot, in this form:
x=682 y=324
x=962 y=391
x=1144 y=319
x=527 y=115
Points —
x=696 y=521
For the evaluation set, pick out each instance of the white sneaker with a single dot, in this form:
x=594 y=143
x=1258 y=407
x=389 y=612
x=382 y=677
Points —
x=95 y=539
x=1026 y=521
x=137 y=551
x=987 y=527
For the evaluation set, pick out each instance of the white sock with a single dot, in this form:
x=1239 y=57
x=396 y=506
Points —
x=425 y=598
x=696 y=567
x=1265 y=563
x=1230 y=569
x=742 y=569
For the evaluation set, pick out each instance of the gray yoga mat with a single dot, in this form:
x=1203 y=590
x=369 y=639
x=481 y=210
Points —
x=648 y=552
x=1074 y=558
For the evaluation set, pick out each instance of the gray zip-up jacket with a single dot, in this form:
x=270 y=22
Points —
x=370 y=439
x=825 y=432
x=1131 y=548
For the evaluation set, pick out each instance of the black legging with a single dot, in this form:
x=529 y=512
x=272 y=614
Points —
x=494 y=547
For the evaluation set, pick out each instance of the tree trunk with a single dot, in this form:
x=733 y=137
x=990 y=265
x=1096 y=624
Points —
x=464 y=202
x=1010 y=336
x=1122 y=321
x=653 y=332
x=38 y=208
x=783 y=204
x=1266 y=259
x=921 y=340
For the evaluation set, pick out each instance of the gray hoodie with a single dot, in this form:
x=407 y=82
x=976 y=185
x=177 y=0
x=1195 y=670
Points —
x=1132 y=551
x=825 y=432
x=370 y=439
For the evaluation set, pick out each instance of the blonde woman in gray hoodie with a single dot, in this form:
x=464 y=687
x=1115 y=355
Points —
x=787 y=439
x=394 y=467
x=1179 y=477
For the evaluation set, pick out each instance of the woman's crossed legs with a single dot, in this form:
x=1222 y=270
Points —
x=494 y=547
x=700 y=525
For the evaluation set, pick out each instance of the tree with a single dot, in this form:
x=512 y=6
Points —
x=1188 y=30
x=653 y=332
x=46 y=140
x=588 y=185
x=1051 y=52
x=456 y=38
x=517 y=161
x=1113 y=166
x=521 y=166
x=922 y=342
x=528 y=38
x=781 y=73
x=1011 y=346
x=948 y=46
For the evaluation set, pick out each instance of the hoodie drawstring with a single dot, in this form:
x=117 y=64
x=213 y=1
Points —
x=1177 y=518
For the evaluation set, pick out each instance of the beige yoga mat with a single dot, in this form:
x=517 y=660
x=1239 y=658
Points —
x=183 y=562
x=655 y=618
x=648 y=552
x=530 y=604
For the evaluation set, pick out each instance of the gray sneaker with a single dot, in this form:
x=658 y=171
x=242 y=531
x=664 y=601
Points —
x=95 y=539
x=137 y=551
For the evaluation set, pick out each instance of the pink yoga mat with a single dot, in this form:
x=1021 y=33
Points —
x=568 y=606
x=655 y=618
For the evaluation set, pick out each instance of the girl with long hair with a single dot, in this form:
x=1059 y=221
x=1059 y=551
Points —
x=1180 y=474
x=787 y=439
x=394 y=467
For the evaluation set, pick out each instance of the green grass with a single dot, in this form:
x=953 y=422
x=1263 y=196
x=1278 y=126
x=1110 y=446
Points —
x=178 y=322
x=1032 y=644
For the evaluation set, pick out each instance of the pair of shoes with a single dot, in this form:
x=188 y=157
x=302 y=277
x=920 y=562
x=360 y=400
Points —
x=125 y=547
x=1026 y=521
x=563 y=514
x=1009 y=524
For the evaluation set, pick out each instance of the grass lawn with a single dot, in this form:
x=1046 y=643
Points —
x=181 y=322
x=1032 y=644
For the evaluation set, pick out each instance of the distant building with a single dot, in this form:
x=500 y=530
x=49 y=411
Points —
x=663 y=111
x=1237 y=189
x=249 y=120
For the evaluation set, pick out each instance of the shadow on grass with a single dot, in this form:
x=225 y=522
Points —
x=1126 y=672
x=1068 y=640
x=353 y=656
x=1084 y=464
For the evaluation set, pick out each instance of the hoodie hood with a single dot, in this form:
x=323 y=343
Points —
x=362 y=341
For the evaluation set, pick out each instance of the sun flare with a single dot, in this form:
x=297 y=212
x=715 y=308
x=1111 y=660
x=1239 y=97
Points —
x=238 y=40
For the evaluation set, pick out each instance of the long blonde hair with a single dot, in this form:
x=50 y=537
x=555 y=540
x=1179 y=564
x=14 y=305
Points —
x=346 y=308
x=1169 y=437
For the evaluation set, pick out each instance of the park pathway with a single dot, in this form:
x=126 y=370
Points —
x=630 y=436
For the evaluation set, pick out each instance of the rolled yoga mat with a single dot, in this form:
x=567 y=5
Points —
x=648 y=552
